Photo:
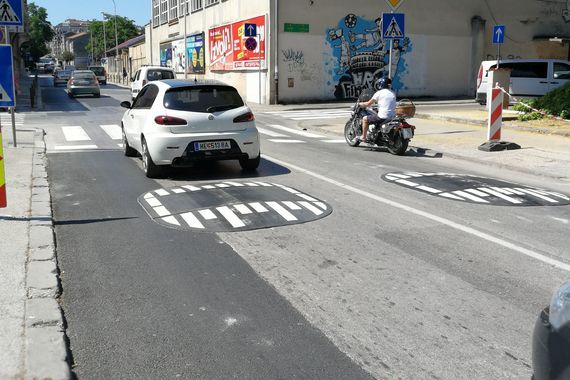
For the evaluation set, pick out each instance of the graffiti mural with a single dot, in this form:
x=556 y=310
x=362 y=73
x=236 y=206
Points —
x=361 y=56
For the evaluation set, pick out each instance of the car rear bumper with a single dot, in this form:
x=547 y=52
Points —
x=84 y=90
x=177 y=149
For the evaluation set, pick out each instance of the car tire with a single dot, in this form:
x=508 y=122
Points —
x=97 y=95
x=250 y=165
x=151 y=170
x=127 y=149
x=70 y=94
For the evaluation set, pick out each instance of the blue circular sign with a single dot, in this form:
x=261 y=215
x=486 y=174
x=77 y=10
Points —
x=250 y=44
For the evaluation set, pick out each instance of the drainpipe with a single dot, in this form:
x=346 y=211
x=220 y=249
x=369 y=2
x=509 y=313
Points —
x=274 y=38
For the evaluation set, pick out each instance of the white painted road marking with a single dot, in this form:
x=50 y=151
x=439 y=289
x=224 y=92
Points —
x=161 y=211
x=282 y=211
x=171 y=220
x=75 y=147
x=230 y=217
x=161 y=192
x=75 y=134
x=258 y=207
x=311 y=208
x=192 y=220
x=296 y=131
x=291 y=205
x=267 y=132
x=207 y=214
x=287 y=141
x=474 y=198
x=242 y=209
x=113 y=130
x=468 y=230
x=153 y=202
x=500 y=195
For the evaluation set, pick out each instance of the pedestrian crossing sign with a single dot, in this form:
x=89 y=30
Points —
x=393 y=25
x=7 y=96
x=11 y=12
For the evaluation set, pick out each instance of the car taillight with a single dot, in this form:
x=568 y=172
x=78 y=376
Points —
x=480 y=76
x=245 y=117
x=71 y=82
x=169 y=120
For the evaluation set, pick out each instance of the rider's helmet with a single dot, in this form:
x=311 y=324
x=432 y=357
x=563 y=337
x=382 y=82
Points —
x=383 y=83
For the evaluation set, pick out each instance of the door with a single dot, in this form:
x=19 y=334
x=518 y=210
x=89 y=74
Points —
x=528 y=78
x=139 y=114
x=560 y=74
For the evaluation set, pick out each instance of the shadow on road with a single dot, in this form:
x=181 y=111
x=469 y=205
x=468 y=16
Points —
x=90 y=221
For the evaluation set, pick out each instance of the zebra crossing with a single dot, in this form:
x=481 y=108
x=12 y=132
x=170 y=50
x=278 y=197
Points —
x=79 y=138
x=282 y=135
x=248 y=205
x=6 y=119
x=311 y=114
x=475 y=189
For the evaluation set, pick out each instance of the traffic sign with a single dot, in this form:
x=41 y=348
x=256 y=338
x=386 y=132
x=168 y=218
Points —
x=499 y=34
x=394 y=3
x=7 y=95
x=250 y=43
x=393 y=25
x=11 y=12
x=2 y=35
x=250 y=29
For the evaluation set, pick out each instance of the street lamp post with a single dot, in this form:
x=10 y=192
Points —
x=116 y=43
x=104 y=35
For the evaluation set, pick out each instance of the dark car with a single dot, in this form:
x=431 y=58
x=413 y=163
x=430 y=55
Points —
x=551 y=338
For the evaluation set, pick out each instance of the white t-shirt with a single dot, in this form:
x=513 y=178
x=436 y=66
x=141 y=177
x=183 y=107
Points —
x=386 y=101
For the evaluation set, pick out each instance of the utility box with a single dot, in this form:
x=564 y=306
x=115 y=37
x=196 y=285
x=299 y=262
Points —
x=501 y=77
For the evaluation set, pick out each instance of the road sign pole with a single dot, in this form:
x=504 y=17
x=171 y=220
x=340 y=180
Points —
x=390 y=61
x=12 y=110
x=259 y=59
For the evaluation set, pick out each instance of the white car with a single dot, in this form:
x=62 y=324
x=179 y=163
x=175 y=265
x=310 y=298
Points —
x=179 y=122
x=147 y=74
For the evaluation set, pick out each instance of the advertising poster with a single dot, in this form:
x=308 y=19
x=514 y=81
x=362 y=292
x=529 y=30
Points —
x=178 y=56
x=227 y=46
x=195 y=53
x=166 y=54
x=220 y=43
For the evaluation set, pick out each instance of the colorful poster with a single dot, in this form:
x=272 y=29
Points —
x=195 y=53
x=178 y=56
x=166 y=54
x=227 y=46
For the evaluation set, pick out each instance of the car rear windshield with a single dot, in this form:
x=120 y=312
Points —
x=202 y=98
x=83 y=75
x=97 y=70
x=159 y=75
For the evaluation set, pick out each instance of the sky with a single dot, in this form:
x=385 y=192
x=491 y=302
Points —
x=59 y=10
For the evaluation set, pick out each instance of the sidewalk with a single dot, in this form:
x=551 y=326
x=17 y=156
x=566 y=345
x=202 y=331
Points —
x=32 y=340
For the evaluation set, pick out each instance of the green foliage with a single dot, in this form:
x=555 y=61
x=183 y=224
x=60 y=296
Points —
x=40 y=31
x=530 y=116
x=521 y=107
x=555 y=102
x=104 y=31
x=565 y=114
x=67 y=56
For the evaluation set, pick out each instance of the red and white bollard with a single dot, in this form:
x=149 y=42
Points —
x=494 y=124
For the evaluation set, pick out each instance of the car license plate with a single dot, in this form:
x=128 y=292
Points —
x=212 y=145
x=407 y=133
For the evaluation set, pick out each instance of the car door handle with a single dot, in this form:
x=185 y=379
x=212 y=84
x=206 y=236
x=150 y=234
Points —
x=132 y=116
x=543 y=82
x=554 y=82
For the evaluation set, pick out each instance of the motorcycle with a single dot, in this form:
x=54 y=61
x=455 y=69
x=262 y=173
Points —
x=394 y=134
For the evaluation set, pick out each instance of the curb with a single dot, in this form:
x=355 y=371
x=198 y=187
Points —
x=45 y=350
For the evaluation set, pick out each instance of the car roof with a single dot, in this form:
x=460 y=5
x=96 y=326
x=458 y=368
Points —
x=177 y=83
x=157 y=67
x=535 y=60
x=82 y=72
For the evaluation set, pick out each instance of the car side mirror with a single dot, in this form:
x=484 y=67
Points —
x=126 y=104
x=132 y=79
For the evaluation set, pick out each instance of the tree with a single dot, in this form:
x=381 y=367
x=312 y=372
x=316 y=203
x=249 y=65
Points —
x=126 y=29
x=67 y=56
x=40 y=31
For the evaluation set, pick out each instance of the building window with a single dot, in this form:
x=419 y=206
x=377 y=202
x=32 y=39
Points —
x=183 y=8
x=163 y=11
x=155 y=13
x=196 y=5
x=211 y=2
x=173 y=9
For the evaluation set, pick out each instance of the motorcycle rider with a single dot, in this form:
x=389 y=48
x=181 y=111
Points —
x=386 y=100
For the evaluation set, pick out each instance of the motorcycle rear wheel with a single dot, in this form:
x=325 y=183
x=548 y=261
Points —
x=398 y=146
x=351 y=130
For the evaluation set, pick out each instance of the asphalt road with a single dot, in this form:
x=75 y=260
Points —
x=393 y=283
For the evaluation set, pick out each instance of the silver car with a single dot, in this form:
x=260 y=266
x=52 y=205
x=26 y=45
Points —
x=83 y=82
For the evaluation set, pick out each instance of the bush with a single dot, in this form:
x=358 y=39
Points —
x=555 y=102
x=530 y=116
x=521 y=108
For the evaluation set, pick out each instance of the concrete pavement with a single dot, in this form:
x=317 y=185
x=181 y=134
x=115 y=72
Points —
x=32 y=337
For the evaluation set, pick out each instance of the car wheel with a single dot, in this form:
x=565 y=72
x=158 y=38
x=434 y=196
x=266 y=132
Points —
x=127 y=149
x=97 y=95
x=250 y=165
x=150 y=169
x=70 y=94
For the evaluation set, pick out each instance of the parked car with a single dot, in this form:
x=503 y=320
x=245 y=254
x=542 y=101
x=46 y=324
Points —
x=179 y=122
x=148 y=74
x=551 y=338
x=100 y=73
x=62 y=75
x=83 y=82
x=529 y=77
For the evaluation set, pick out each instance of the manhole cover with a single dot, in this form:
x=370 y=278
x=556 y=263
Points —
x=231 y=206
x=474 y=189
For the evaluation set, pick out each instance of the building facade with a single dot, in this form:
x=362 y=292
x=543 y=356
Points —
x=65 y=30
x=315 y=50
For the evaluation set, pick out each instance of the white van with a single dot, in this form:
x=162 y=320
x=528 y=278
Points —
x=529 y=77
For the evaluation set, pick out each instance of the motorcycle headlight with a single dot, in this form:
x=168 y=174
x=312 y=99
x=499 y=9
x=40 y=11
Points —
x=560 y=307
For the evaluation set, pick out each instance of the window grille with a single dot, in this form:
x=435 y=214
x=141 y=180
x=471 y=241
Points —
x=155 y=13
x=163 y=11
x=196 y=5
x=182 y=8
x=173 y=9
x=211 y=2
